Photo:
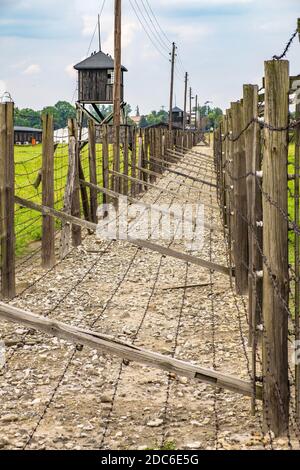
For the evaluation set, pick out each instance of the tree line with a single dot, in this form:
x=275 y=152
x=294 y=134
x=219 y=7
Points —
x=62 y=111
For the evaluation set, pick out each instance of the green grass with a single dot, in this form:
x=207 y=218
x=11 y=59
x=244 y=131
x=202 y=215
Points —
x=28 y=163
x=291 y=203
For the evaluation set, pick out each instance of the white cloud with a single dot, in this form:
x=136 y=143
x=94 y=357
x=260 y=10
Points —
x=70 y=71
x=32 y=69
x=2 y=87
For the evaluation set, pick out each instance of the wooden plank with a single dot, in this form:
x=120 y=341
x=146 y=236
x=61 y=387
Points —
x=179 y=173
x=113 y=346
x=275 y=241
x=153 y=207
x=133 y=161
x=297 y=260
x=154 y=186
x=254 y=201
x=7 y=189
x=75 y=209
x=126 y=165
x=65 y=240
x=141 y=243
x=189 y=186
x=240 y=240
x=48 y=226
x=93 y=172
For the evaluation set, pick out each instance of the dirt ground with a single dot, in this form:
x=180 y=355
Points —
x=54 y=396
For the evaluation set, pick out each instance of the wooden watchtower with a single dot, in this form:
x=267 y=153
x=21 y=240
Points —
x=95 y=84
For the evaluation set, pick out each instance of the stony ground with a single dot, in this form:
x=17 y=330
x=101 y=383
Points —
x=54 y=396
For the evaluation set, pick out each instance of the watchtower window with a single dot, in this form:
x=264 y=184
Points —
x=111 y=77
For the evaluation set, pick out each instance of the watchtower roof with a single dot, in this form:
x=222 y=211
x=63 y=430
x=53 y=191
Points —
x=97 y=61
x=177 y=110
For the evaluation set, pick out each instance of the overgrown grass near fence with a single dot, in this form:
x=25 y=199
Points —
x=291 y=202
x=28 y=164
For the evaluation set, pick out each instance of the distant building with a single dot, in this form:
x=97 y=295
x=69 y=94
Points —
x=177 y=116
x=27 y=135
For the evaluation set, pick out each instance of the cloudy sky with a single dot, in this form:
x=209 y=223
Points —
x=221 y=43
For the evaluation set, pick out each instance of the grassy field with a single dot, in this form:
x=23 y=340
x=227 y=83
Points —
x=28 y=163
x=291 y=205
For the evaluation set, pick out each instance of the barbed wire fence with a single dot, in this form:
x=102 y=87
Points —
x=256 y=151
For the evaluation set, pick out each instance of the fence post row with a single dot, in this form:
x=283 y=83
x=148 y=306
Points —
x=258 y=230
x=7 y=203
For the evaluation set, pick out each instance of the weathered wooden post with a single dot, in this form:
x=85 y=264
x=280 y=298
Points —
x=105 y=162
x=275 y=241
x=133 y=162
x=93 y=171
x=48 y=223
x=7 y=203
x=240 y=241
x=297 y=259
x=75 y=211
x=229 y=187
x=125 y=163
x=140 y=160
x=254 y=203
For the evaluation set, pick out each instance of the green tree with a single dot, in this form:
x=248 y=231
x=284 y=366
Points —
x=65 y=111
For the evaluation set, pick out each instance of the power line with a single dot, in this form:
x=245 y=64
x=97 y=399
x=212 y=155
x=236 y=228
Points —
x=145 y=29
x=161 y=39
x=156 y=20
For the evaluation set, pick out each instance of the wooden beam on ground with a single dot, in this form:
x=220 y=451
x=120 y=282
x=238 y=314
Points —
x=185 y=157
x=141 y=243
x=159 y=188
x=193 y=178
x=164 y=163
x=115 y=195
x=113 y=346
x=159 y=175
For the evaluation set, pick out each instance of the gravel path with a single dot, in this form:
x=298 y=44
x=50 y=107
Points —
x=56 y=397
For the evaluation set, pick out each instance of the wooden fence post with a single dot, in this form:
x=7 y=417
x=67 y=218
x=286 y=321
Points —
x=75 y=211
x=125 y=163
x=275 y=241
x=140 y=161
x=93 y=171
x=240 y=241
x=48 y=223
x=254 y=202
x=105 y=162
x=7 y=203
x=133 y=162
x=297 y=258
x=65 y=240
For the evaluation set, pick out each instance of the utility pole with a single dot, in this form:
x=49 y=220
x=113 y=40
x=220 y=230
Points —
x=99 y=33
x=191 y=97
x=117 y=90
x=172 y=86
x=196 y=111
x=185 y=100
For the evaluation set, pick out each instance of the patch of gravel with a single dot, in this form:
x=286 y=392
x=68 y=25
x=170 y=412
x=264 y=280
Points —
x=56 y=397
